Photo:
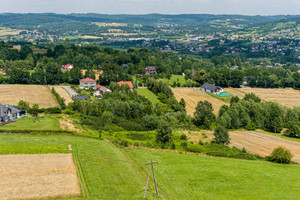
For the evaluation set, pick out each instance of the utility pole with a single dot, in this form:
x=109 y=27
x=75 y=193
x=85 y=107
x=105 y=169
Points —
x=151 y=167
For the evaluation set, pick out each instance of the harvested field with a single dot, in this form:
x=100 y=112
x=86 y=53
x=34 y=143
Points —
x=260 y=143
x=285 y=97
x=63 y=94
x=235 y=92
x=38 y=176
x=193 y=96
x=33 y=94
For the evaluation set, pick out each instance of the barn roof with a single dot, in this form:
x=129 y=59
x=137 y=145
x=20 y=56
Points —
x=125 y=82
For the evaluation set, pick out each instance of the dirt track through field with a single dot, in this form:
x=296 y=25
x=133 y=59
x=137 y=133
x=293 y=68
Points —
x=193 y=96
x=260 y=143
x=33 y=94
x=38 y=176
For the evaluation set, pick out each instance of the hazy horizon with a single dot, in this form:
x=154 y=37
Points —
x=218 y=7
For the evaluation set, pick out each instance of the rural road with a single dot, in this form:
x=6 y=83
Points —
x=260 y=143
x=67 y=88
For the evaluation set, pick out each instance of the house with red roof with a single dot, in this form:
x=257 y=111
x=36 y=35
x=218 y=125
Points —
x=87 y=83
x=67 y=67
x=124 y=83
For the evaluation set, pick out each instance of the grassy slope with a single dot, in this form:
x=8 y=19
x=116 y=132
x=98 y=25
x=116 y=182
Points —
x=147 y=93
x=113 y=174
x=44 y=123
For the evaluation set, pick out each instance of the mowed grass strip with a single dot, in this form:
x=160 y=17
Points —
x=33 y=123
x=147 y=93
x=111 y=173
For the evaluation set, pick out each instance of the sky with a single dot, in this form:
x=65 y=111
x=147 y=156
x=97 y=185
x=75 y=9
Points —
x=245 y=7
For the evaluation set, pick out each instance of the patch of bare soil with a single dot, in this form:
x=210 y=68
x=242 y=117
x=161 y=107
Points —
x=40 y=176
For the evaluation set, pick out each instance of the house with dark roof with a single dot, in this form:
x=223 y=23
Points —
x=207 y=87
x=87 y=83
x=151 y=71
x=10 y=113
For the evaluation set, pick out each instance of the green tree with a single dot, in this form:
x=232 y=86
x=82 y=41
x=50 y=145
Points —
x=221 y=135
x=182 y=103
x=204 y=114
x=164 y=133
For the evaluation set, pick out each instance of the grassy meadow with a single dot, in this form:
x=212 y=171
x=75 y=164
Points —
x=33 y=123
x=147 y=93
x=109 y=172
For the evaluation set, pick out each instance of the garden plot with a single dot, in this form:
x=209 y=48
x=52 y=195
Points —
x=40 y=176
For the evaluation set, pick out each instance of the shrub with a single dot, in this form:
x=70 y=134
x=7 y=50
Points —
x=281 y=155
x=173 y=146
x=200 y=142
x=184 y=144
x=251 y=126
x=183 y=137
x=164 y=134
x=124 y=143
x=195 y=148
x=221 y=135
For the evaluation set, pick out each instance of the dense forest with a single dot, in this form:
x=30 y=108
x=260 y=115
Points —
x=27 y=67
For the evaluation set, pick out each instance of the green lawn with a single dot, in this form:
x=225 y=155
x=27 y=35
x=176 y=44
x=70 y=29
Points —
x=176 y=78
x=31 y=123
x=147 y=93
x=113 y=173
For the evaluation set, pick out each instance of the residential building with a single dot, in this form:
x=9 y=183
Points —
x=151 y=71
x=10 y=113
x=207 y=87
x=87 y=83
x=124 y=83
x=100 y=91
x=67 y=67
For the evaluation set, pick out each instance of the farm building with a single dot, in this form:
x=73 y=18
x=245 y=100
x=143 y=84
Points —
x=67 y=67
x=207 y=87
x=87 y=83
x=151 y=71
x=124 y=83
x=10 y=113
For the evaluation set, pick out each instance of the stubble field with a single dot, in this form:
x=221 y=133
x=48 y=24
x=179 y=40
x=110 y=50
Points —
x=33 y=94
x=285 y=97
x=63 y=94
x=40 y=176
x=193 y=96
x=260 y=143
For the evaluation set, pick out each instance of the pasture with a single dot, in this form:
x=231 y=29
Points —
x=147 y=93
x=109 y=172
x=193 y=96
x=33 y=94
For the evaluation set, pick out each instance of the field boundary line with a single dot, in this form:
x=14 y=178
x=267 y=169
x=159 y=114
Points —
x=82 y=182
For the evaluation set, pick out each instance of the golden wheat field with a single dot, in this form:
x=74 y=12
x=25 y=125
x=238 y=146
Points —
x=33 y=94
x=41 y=176
x=285 y=97
x=63 y=94
x=193 y=96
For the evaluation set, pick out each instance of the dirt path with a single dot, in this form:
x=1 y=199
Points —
x=260 y=143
